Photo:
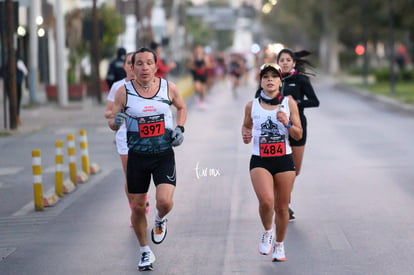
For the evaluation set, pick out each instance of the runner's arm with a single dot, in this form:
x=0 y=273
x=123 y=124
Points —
x=118 y=106
x=179 y=103
x=295 y=129
x=247 y=124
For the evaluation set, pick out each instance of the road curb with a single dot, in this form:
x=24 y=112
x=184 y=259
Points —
x=185 y=86
x=379 y=98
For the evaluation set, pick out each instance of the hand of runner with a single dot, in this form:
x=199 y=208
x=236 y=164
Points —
x=177 y=137
x=119 y=119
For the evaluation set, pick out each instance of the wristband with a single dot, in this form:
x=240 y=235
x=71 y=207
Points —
x=181 y=128
x=289 y=125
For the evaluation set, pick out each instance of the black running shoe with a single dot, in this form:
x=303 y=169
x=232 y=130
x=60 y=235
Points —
x=291 y=216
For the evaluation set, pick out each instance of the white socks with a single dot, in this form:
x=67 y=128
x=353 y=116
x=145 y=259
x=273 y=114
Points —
x=143 y=249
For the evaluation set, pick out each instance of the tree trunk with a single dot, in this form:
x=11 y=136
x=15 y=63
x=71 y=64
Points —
x=11 y=65
x=95 y=53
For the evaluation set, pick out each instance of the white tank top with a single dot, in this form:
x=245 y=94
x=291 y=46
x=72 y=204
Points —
x=150 y=121
x=270 y=136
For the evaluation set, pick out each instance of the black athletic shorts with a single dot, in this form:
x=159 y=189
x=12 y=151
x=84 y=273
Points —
x=273 y=164
x=200 y=77
x=141 y=167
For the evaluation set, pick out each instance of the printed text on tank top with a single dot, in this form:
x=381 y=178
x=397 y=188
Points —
x=150 y=126
x=270 y=136
x=149 y=123
x=271 y=142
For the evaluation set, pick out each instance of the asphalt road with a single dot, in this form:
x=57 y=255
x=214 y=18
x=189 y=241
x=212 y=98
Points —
x=353 y=200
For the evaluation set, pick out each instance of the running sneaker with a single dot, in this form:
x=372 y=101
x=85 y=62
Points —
x=278 y=252
x=159 y=232
x=265 y=245
x=147 y=206
x=146 y=261
x=291 y=216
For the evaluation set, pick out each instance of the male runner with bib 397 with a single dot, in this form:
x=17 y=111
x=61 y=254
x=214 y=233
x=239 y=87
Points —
x=144 y=105
x=268 y=121
x=121 y=136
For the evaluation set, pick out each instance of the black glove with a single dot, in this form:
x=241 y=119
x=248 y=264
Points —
x=177 y=136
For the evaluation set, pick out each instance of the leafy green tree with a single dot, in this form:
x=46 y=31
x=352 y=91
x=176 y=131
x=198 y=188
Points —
x=112 y=26
x=343 y=23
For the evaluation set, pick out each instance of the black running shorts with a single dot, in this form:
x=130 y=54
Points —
x=273 y=164
x=141 y=167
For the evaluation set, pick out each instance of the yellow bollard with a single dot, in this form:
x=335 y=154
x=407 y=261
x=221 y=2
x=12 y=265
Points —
x=72 y=158
x=37 y=179
x=59 y=168
x=84 y=151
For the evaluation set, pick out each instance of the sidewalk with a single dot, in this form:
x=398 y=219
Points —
x=37 y=117
x=346 y=83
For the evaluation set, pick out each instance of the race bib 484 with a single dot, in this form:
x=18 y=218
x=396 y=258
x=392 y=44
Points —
x=273 y=146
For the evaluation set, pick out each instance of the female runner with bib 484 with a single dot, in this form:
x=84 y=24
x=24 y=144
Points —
x=268 y=121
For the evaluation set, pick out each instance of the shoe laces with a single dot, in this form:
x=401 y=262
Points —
x=145 y=256
x=159 y=226
x=267 y=238
x=279 y=248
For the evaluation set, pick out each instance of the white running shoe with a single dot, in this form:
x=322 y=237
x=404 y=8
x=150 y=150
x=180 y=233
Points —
x=146 y=261
x=278 y=252
x=265 y=245
x=159 y=232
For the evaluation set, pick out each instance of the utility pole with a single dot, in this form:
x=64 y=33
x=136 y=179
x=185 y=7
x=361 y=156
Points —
x=95 y=53
x=11 y=65
x=391 y=42
x=33 y=48
x=60 y=57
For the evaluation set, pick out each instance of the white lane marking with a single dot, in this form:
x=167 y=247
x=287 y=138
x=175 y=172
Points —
x=104 y=130
x=65 y=131
x=10 y=170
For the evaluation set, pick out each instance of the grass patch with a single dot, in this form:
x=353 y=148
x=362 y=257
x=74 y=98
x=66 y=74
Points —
x=5 y=133
x=404 y=91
